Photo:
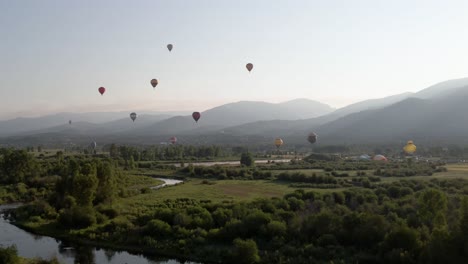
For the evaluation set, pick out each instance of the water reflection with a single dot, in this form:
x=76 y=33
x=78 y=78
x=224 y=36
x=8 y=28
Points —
x=109 y=254
x=84 y=254
x=66 y=250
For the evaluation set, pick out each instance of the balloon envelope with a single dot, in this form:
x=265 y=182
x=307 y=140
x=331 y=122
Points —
x=365 y=157
x=173 y=140
x=312 y=138
x=410 y=148
x=133 y=116
x=380 y=158
x=278 y=142
x=154 y=82
x=196 y=116
x=102 y=90
x=169 y=47
x=69 y=122
x=249 y=66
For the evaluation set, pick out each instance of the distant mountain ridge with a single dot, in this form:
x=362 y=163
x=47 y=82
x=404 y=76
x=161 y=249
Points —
x=238 y=113
x=435 y=114
x=442 y=118
x=120 y=125
x=32 y=124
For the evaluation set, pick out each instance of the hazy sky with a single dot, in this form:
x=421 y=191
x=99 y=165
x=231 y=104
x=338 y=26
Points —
x=55 y=54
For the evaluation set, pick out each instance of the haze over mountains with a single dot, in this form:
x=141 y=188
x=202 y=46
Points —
x=56 y=121
x=437 y=114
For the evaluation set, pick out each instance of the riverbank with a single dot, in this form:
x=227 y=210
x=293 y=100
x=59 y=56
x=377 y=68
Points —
x=51 y=228
x=56 y=233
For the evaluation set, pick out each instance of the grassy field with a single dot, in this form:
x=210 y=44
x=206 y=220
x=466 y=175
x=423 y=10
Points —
x=218 y=191
x=245 y=190
x=454 y=171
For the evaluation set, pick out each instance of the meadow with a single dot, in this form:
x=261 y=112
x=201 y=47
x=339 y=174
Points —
x=215 y=190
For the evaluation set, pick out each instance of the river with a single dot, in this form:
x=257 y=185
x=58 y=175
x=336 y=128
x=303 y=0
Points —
x=32 y=246
x=167 y=182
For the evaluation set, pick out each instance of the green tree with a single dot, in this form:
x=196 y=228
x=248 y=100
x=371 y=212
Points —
x=84 y=186
x=432 y=203
x=107 y=182
x=114 y=151
x=463 y=225
x=276 y=229
x=158 y=228
x=9 y=255
x=18 y=166
x=401 y=245
x=131 y=163
x=464 y=217
x=245 y=251
x=247 y=159
x=437 y=248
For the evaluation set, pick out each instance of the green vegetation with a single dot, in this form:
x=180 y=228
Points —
x=9 y=255
x=247 y=159
x=311 y=211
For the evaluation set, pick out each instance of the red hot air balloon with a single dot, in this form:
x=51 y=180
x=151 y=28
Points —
x=249 y=66
x=102 y=90
x=173 y=140
x=196 y=116
x=154 y=82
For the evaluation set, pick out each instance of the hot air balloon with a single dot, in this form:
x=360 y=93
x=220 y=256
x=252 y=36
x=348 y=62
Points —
x=169 y=47
x=249 y=66
x=364 y=157
x=102 y=90
x=133 y=116
x=278 y=142
x=312 y=138
x=196 y=116
x=410 y=148
x=69 y=122
x=154 y=82
x=379 y=158
x=173 y=140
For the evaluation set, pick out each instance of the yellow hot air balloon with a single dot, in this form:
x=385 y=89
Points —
x=278 y=142
x=410 y=148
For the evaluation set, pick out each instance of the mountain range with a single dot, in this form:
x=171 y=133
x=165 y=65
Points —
x=435 y=115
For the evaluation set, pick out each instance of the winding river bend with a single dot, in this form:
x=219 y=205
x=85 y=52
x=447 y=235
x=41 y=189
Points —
x=32 y=246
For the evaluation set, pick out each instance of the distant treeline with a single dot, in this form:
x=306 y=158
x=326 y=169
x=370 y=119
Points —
x=168 y=152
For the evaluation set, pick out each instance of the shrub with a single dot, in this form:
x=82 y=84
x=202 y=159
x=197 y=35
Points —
x=9 y=255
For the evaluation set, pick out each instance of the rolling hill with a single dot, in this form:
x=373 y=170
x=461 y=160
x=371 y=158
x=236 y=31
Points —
x=436 y=115
x=236 y=114
x=52 y=123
